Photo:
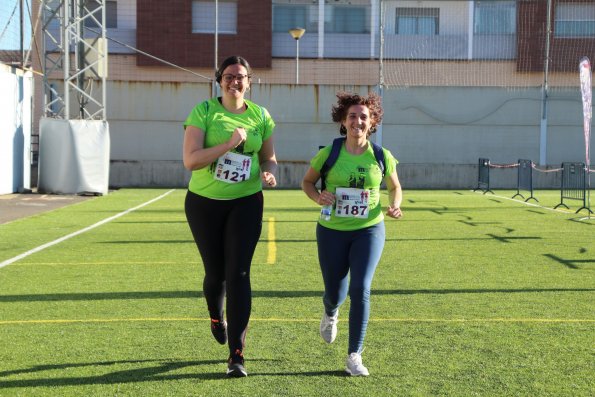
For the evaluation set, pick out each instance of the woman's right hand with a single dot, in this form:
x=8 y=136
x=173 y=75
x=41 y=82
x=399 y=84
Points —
x=238 y=137
x=326 y=198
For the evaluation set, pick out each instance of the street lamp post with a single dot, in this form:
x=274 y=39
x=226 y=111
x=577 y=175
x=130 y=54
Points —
x=297 y=34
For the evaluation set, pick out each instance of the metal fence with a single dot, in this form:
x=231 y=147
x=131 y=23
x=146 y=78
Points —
x=574 y=185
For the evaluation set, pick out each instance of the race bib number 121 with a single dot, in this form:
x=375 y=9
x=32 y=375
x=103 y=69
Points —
x=233 y=168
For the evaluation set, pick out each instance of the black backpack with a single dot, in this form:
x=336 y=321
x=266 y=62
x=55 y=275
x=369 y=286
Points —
x=334 y=154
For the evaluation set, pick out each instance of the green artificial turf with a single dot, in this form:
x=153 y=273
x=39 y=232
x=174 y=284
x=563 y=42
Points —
x=475 y=295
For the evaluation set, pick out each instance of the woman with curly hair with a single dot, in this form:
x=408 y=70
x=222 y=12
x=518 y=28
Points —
x=351 y=240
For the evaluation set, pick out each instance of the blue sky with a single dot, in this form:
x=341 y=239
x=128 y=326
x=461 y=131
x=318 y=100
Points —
x=10 y=19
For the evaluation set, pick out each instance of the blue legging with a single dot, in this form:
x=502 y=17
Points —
x=348 y=260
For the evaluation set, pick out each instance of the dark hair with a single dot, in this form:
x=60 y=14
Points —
x=345 y=100
x=232 y=60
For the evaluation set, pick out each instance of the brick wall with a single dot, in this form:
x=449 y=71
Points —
x=164 y=29
x=565 y=53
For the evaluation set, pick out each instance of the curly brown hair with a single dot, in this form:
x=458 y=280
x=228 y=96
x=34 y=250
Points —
x=346 y=99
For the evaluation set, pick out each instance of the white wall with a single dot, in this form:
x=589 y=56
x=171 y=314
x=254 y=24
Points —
x=15 y=129
x=437 y=133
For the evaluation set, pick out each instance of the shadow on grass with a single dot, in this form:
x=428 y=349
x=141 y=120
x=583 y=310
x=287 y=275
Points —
x=584 y=220
x=511 y=239
x=53 y=367
x=311 y=373
x=570 y=263
x=536 y=212
x=137 y=295
x=479 y=223
x=151 y=373
x=145 y=374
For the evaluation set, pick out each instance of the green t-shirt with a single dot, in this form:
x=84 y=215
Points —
x=355 y=171
x=218 y=125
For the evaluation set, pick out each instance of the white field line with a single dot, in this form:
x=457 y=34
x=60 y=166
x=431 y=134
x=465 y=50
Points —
x=61 y=239
x=530 y=204
x=303 y=320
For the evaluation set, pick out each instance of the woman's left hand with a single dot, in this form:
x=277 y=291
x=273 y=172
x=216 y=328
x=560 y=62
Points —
x=269 y=179
x=394 y=212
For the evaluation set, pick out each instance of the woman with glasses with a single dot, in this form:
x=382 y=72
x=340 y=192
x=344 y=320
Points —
x=228 y=146
x=351 y=239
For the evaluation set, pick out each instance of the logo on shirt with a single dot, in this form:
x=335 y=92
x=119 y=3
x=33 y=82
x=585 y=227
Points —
x=357 y=179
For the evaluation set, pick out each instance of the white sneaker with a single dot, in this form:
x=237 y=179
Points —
x=355 y=366
x=328 y=327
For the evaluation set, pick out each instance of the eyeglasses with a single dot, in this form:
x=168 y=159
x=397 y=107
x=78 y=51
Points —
x=228 y=78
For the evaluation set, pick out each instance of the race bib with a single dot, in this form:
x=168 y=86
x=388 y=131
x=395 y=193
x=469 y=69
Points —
x=352 y=203
x=233 y=168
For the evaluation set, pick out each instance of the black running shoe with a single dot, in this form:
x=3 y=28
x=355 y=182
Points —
x=219 y=330
x=235 y=365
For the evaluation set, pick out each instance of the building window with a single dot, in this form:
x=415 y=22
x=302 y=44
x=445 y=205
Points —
x=203 y=17
x=575 y=20
x=289 y=16
x=494 y=17
x=346 y=19
x=111 y=14
x=417 y=21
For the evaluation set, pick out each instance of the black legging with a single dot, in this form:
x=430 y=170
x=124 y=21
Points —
x=226 y=233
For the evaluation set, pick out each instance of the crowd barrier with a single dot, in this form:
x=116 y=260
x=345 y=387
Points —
x=483 y=179
x=575 y=180
x=525 y=179
x=574 y=185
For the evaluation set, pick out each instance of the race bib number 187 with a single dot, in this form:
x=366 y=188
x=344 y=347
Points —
x=352 y=203
x=233 y=168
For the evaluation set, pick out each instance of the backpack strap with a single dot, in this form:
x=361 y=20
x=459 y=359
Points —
x=379 y=154
x=330 y=160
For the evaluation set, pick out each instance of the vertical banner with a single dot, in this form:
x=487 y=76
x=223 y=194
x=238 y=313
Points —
x=585 y=78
